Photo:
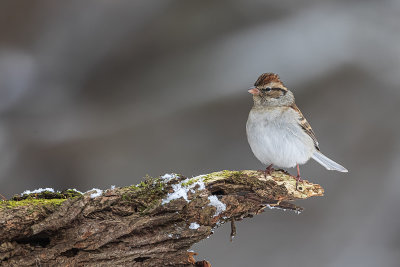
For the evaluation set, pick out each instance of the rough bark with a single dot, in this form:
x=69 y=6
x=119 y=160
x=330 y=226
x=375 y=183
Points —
x=136 y=225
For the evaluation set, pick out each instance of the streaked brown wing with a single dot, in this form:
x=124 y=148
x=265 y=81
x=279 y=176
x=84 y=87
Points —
x=305 y=125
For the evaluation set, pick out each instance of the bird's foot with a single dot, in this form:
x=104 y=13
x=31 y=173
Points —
x=298 y=179
x=267 y=171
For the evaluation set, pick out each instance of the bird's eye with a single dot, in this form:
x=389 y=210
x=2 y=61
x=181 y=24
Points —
x=266 y=89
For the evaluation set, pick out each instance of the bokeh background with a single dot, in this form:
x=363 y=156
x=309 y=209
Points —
x=101 y=93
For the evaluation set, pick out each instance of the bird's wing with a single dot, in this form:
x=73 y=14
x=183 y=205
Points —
x=305 y=125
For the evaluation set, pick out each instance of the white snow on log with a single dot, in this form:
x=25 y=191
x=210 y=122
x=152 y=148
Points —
x=36 y=191
x=181 y=190
x=194 y=226
x=41 y=190
x=77 y=191
x=169 y=176
x=274 y=208
x=96 y=194
x=220 y=206
x=278 y=208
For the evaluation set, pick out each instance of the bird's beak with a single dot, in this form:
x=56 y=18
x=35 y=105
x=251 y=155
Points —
x=254 y=91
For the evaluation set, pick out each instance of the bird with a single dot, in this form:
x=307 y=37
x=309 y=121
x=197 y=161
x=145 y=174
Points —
x=277 y=131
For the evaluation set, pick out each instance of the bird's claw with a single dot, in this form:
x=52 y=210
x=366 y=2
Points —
x=298 y=179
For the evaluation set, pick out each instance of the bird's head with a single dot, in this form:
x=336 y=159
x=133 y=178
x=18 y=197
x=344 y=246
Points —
x=268 y=90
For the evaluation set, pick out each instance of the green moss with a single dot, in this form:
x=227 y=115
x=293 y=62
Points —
x=190 y=181
x=145 y=195
x=70 y=193
x=45 y=198
x=11 y=204
x=149 y=182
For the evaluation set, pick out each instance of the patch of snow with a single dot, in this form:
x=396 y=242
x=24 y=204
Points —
x=182 y=191
x=200 y=177
x=96 y=194
x=278 y=208
x=214 y=201
x=112 y=187
x=77 y=191
x=194 y=226
x=274 y=208
x=40 y=190
x=179 y=192
x=169 y=176
x=199 y=182
x=170 y=235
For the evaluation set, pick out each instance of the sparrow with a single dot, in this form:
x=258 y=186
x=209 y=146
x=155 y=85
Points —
x=277 y=131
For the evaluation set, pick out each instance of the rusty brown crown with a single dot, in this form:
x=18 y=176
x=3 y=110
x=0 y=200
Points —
x=266 y=78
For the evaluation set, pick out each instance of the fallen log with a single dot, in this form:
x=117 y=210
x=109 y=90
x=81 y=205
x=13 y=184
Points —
x=153 y=223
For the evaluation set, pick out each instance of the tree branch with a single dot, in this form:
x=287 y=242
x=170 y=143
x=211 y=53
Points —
x=151 y=224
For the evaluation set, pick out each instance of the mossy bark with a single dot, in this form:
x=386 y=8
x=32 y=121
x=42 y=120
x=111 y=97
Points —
x=133 y=226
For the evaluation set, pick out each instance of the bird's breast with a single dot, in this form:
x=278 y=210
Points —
x=276 y=138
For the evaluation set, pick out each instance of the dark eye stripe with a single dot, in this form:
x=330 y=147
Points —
x=280 y=89
x=274 y=89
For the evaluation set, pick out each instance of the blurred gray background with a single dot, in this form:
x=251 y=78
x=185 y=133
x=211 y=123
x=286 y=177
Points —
x=101 y=93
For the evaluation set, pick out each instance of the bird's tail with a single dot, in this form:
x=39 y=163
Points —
x=328 y=163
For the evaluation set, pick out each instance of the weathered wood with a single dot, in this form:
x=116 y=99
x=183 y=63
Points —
x=150 y=224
